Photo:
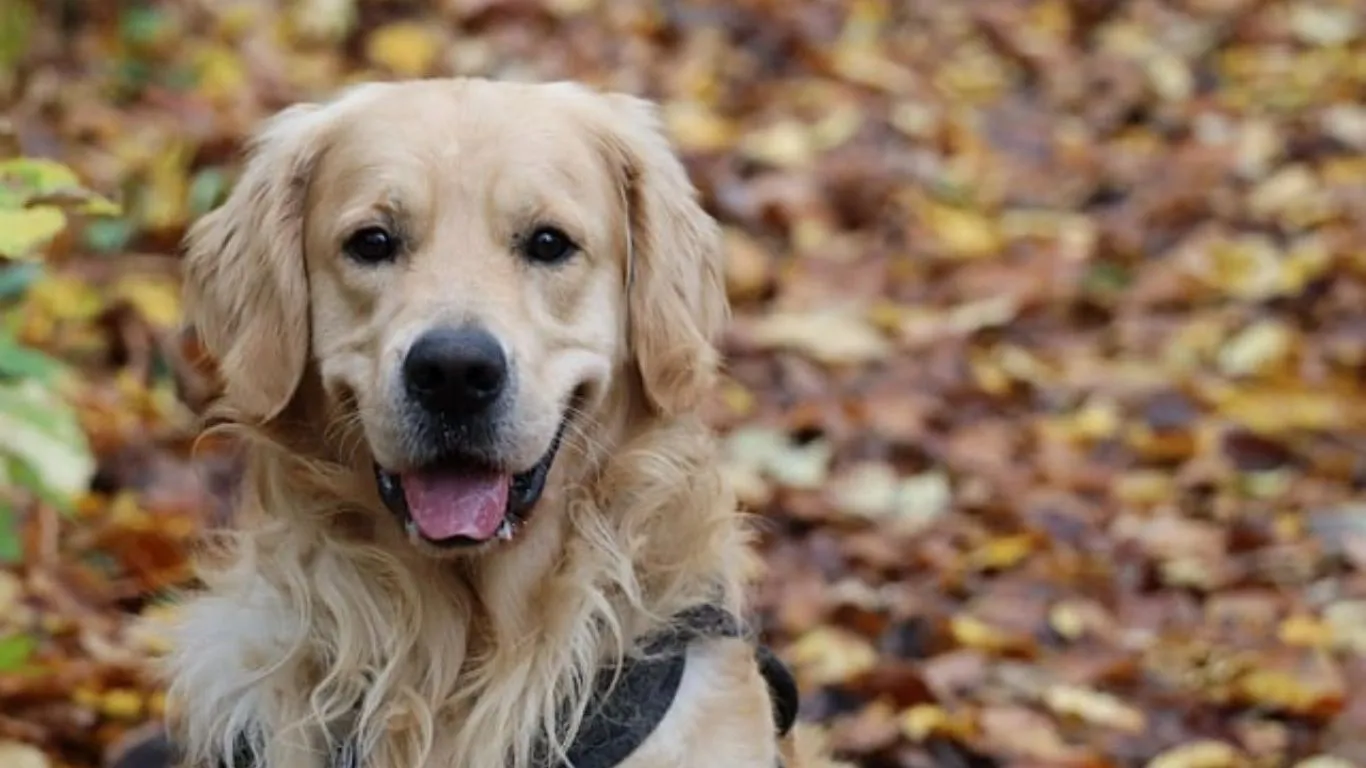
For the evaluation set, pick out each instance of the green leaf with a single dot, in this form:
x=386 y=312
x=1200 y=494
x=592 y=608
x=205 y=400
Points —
x=109 y=235
x=40 y=175
x=23 y=476
x=206 y=190
x=11 y=197
x=29 y=180
x=15 y=651
x=15 y=279
x=23 y=232
x=16 y=30
x=1106 y=277
x=41 y=430
x=18 y=361
x=11 y=548
x=141 y=25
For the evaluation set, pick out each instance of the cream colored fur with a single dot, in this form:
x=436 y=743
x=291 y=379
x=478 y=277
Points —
x=321 y=620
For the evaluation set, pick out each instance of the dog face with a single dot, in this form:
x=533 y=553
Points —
x=470 y=268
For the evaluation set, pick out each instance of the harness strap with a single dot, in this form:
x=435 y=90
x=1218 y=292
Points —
x=622 y=718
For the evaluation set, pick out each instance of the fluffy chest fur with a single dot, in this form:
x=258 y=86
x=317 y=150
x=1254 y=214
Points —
x=308 y=635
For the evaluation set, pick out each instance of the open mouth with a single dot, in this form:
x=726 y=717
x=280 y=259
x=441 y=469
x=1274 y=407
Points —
x=458 y=503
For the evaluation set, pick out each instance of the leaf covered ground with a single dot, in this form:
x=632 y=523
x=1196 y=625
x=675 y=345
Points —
x=1046 y=377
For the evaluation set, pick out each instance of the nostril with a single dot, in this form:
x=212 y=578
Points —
x=484 y=377
x=424 y=375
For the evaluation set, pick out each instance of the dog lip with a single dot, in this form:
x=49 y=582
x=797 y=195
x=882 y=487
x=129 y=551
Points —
x=524 y=491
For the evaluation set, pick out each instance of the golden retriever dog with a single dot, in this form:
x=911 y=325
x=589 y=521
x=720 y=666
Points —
x=464 y=328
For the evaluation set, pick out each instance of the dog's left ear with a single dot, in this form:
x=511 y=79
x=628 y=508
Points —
x=675 y=273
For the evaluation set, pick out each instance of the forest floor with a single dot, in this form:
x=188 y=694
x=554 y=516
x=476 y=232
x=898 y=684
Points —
x=1046 y=375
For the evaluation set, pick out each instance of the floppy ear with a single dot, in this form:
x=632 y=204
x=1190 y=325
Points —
x=246 y=289
x=676 y=291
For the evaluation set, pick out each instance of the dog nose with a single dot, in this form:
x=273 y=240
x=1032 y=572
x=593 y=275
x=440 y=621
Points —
x=455 y=370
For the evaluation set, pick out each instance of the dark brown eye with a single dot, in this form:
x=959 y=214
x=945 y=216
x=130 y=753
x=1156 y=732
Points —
x=548 y=245
x=372 y=245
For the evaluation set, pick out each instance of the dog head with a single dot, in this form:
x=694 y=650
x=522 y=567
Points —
x=469 y=270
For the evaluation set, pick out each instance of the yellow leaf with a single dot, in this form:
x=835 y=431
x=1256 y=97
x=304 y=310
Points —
x=829 y=655
x=915 y=119
x=974 y=633
x=1249 y=267
x=221 y=74
x=697 y=128
x=1347 y=620
x=1095 y=707
x=1325 y=761
x=1097 y=419
x=121 y=704
x=156 y=299
x=86 y=696
x=1306 y=631
x=23 y=232
x=65 y=298
x=1257 y=349
x=567 y=8
x=788 y=144
x=1067 y=619
x=16 y=755
x=1198 y=754
x=865 y=65
x=323 y=21
x=166 y=201
x=922 y=721
x=1276 y=410
x=1292 y=691
x=1002 y=552
x=965 y=234
x=1144 y=487
x=39 y=175
x=839 y=125
x=405 y=48
x=1169 y=77
x=748 y=265
x=156 y=705
x=832 y=336
x=739 y=400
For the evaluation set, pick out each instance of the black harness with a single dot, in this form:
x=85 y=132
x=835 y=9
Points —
x=618 y=721
x=622 y=717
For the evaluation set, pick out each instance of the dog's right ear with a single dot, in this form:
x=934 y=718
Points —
x=245 y=282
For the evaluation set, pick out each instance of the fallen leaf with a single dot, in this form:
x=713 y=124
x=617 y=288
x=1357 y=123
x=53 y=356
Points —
x=23 y=232
x=16 y=755
x=828 y=655
x=834 y=337
x=42 y=432
x=1021 y=732
x=1199 y=754
x=15 y=651
x=156 y=299
x=1095 y=707
x=924 y=721
x=408 y=49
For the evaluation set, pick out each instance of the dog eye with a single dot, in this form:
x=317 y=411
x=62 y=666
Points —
x=548 y=245
x=371 y=245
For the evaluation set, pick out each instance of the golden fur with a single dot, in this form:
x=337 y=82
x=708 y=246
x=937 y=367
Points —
x=321 y=619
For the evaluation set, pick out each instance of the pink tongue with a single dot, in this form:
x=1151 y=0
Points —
x=444 y=505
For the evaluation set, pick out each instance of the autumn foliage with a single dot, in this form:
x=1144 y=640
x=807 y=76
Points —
x=1045 y=382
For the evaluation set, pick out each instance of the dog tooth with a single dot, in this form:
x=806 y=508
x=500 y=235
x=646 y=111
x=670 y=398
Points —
x=505 y=531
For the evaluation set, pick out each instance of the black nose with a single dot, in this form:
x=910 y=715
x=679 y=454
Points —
x=458 y=371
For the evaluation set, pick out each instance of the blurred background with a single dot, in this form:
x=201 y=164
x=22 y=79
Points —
x=1046 y=376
